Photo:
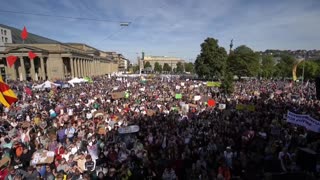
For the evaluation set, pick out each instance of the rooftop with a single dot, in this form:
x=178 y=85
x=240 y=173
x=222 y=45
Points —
x=32 y=38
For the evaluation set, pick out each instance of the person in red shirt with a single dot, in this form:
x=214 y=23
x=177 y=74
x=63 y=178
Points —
x=224 y=171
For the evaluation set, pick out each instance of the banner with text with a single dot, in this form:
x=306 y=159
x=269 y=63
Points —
x=306 y=121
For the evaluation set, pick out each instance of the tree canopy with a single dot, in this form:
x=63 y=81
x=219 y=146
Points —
x=267 y=66
x=243 y=61
x=147 y=64
x=211 y=62
x=189 y=67
x=285 y=65
x=166 y=67
x=180 y=67
x=157 y=67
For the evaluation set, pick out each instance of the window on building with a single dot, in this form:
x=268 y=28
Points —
x=1 y=31
x=5 y=32
x=2 y=39
x=6 y=40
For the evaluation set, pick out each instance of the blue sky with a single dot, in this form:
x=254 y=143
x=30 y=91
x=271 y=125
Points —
x=172 y=27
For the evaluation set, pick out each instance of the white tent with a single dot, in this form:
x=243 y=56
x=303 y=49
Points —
x=46 y=85
x=76 y=81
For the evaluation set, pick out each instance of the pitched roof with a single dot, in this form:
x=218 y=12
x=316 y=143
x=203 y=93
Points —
x=32 y=38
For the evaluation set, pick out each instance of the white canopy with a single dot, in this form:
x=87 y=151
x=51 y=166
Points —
x=45 y=85
x=76 y=81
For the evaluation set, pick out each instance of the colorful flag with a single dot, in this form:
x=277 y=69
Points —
x=28 y=91
x=11 y=60
x=24 y=33
x=32 y=55
x=9 y=97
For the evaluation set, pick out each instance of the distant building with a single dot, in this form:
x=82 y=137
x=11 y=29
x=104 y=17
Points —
x=171 y=61
x=55 y=60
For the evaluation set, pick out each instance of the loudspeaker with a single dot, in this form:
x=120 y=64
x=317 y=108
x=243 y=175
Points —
x=307 y=159
x=318 y=87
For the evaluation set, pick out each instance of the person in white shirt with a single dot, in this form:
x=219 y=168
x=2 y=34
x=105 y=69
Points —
x=70 y=132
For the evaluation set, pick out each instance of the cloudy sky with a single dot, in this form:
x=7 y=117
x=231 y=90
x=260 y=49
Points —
x=171 y=27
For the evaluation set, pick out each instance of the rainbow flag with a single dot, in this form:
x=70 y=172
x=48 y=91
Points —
x=7 y=96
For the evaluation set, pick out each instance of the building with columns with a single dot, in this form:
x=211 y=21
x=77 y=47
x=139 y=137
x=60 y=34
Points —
x=54 y=60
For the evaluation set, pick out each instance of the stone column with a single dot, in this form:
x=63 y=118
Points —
x=42 y=70
x=32 y=70
x=22 y=70
x=71 y=65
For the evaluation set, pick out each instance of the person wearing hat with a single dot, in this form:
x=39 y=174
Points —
x=228 y=156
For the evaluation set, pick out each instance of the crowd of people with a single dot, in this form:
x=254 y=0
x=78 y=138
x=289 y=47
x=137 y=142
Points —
x=179 y=137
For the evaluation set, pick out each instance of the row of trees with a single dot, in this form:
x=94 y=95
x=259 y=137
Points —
x=180 y=67
x=213 y=62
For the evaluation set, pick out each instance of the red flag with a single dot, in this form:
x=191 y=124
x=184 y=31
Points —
x=24 y=33
x=28 y=91
x=211 y=102
x=11 y=60
x=32 y=55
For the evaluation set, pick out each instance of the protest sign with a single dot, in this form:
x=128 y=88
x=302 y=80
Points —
x=213 y=84
x=42 y=157
x=129 y=129
x=306 y=121
x=222 y=106
x=197 y=98
x=5 y=160
x=178 y=96
x=117 y=95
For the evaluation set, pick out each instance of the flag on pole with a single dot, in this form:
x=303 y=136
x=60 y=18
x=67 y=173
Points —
x=24 y=33
x=7 y=96
x=11 y=60
x=32 y=55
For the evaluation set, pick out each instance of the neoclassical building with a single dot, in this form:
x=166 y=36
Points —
x=54 y=60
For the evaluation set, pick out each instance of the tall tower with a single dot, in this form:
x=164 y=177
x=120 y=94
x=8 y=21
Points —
x=231 y=45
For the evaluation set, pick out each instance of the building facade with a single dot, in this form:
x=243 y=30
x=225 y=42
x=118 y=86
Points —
x=54 y=60
x=171 y=61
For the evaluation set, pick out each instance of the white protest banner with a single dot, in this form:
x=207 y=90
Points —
x=222 y=106
x=182 y=84
x=197 y=98
x=178 y=87
x=306 y=121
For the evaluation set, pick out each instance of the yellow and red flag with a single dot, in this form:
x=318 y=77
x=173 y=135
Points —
x=7 y=96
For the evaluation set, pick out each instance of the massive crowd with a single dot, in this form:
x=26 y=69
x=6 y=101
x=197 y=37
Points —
x=178 y=138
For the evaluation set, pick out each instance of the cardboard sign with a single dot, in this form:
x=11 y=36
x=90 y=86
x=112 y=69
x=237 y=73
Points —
x=102 y=131
x=150 y=112
x=117 y=95
x=193 y=106
x=25 y=124
x=129 y=129
x=42 y=157
x=4 y=161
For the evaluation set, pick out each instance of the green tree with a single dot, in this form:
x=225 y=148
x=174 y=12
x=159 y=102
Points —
x=311 y=69
x=244 y=62
x=180 y=68
x=211 y=62
x=157 y=67
x=135 y=68
x=189 y=67
x=267 y=66
x=147 y=64
x=166 y=67
x=285 y=65
x=227 y=83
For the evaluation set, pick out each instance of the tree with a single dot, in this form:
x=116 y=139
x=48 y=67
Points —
x=285 y=65
x=166 y=67
x=180 y=68
x=147 y=64
x=157 y=67
x=311 y=69
x=135 y=68
x=267 y=66
x=211 y=62
x=244 y=62
x=189 y=67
